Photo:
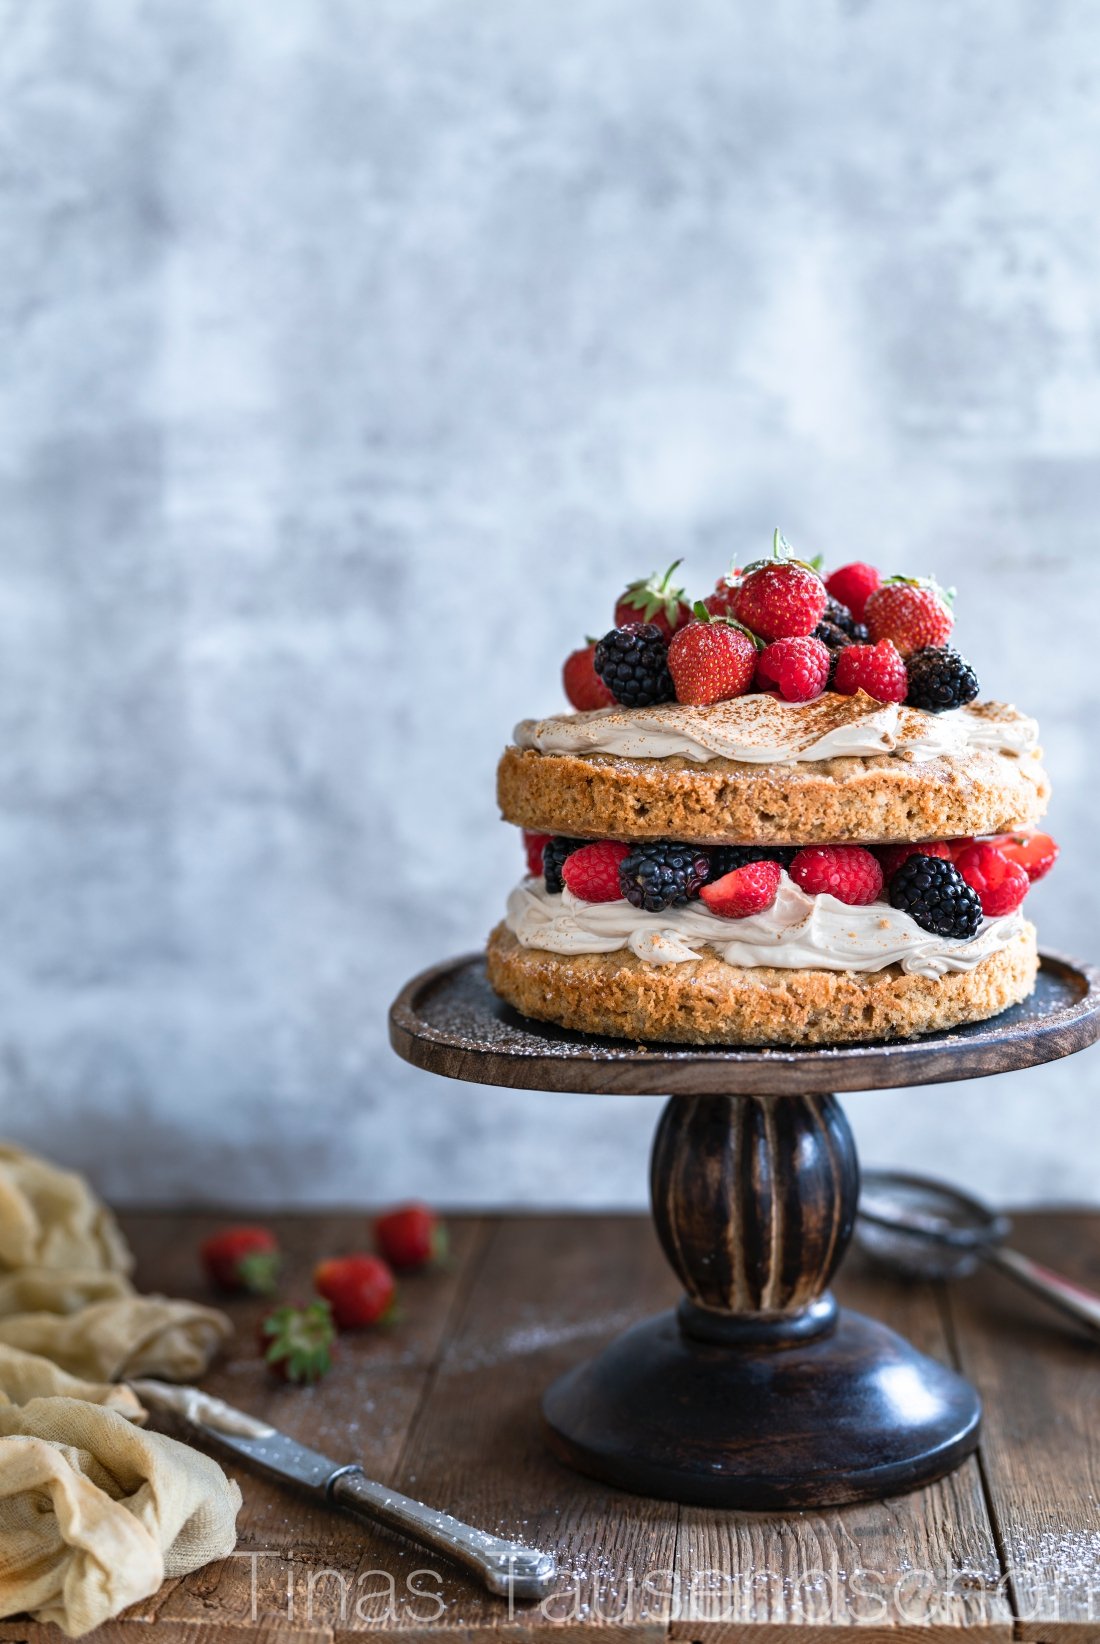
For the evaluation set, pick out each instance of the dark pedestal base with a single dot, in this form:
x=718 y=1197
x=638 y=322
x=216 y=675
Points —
x=853 y=1414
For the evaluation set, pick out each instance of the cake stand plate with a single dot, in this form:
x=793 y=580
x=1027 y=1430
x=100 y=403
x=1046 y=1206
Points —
x=757 y=1391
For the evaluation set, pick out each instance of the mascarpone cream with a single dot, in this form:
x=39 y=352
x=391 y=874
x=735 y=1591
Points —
x=760 y=729
x=798 y=932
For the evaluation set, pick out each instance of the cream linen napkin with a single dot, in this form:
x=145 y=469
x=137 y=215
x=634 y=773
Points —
x=94 y=1512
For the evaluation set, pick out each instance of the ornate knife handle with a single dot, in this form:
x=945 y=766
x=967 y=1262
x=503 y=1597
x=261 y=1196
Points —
x=506 y=1568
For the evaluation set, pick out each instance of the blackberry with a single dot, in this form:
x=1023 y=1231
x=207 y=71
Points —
x=728 y=858
x=663 y=875
x=633 y=663
x=935 y=894
x=553 y=860
x=939 y=678
x=838 y=616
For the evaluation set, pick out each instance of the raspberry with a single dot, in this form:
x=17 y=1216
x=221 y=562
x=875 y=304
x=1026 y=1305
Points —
x=654 y=599
x=554 y=857
x=1035 y=852
x=592 y=873
x=584 y=689
x=728 y=858
x=876 y=669
x=852 y=585
x=663 y=875
x=745 y=891
x=780 y=601
x=632 y=661
x=940 y=678
x=534 y=844
x=1001 y=884
x=935 y=894
x=892 y=856
x=711 y=661
x=797 y=668
x=848 y=872
x=913 y=613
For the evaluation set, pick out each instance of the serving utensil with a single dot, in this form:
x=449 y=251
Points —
x=927 y=1229
x=506 y=1568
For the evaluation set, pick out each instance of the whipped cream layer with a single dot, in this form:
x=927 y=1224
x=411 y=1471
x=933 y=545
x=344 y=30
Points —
x=761 y=729
x=798 y=932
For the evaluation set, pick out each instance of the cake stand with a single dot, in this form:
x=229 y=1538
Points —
x=757 y=1391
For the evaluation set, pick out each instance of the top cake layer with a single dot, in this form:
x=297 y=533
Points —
x=757 y=769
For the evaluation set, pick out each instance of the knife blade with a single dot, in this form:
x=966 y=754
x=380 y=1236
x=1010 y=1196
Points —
x=506 y=1568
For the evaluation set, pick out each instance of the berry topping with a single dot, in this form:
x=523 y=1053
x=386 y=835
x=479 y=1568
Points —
x=663 y=875
x=632 y=661
x=297 y=1342
x=797 y=668
x=242 y=1259
x=534 y=844
x=838 y=616
x=913 y=613
x=720 y=603
x=848 y=872
x=876 y=669
x=584 y=689
x=1000 y=883
x=728 y=858
x=711 y=660
x=359 y=1289
x=747 y=890
x=411 y=1236
x=892 y=856
x=935 y=894
x=592 y=873
x=780 y=598
x=654 y=599
x=940 y=678
x=1035 y=852
x=852 y=585
x=553 y=860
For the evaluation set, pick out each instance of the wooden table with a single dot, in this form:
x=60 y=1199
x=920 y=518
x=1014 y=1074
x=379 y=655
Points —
x=444 y=1404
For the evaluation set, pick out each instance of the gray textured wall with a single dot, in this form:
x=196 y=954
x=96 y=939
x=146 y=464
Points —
x=352 y=355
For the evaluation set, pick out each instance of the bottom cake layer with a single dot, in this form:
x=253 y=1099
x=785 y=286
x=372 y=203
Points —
x=710 y=1002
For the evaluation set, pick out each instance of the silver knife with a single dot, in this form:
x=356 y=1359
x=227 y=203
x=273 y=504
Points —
x=506 y=1568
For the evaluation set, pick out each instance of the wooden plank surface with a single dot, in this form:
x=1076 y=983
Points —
x=445 y=1406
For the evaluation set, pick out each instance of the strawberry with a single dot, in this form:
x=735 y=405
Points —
x=584 y=689
x=848 y=872
x=592 y=873
x=298 y=1342
x=914 y=613
x=876 y=669
x=780 y=598
x=852 y=585
x=720 y=603
x=534 y=844
x=1001 y=884
x=892 y=856
x=797 y=668
x=711 y=659
x=242 y=1259
x=1036 y=853
x=745 y=891
x=411 y=1236
x=654 y=599
x=359 y=1289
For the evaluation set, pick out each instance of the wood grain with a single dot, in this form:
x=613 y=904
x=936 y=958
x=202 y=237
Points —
x=446 y=1406
x=449 y=1021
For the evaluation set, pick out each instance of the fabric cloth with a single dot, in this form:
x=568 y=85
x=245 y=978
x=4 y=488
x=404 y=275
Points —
x=94 y=1511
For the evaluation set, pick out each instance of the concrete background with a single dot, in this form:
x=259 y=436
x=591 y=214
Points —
x=353 y=356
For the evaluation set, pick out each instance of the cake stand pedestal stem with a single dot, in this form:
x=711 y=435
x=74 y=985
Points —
x=758 y=1391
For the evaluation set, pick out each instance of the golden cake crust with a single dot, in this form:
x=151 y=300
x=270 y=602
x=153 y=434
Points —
x=708 y=1002
x=858 y=800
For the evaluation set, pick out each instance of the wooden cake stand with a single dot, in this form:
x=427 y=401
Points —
x=757 y=1391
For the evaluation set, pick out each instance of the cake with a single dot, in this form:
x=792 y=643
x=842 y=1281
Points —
x=782 y=816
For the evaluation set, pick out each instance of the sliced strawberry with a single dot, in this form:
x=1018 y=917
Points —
x=745 y=891
x=534 y=844
x=1035 y=852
